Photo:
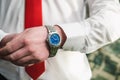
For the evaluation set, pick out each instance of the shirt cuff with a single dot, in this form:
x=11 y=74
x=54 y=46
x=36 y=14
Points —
x=75 y=33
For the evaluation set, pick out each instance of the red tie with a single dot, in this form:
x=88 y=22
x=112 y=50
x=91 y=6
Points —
x=33 y=18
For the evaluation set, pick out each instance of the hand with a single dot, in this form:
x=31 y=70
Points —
x=26 y=48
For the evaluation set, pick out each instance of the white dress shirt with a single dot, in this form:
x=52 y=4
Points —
x=84 y=34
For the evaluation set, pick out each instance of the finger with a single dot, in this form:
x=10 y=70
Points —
x=11 y=47
x=23 y=52
x=28 y=60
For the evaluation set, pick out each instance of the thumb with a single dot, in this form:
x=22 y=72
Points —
x=6 y=39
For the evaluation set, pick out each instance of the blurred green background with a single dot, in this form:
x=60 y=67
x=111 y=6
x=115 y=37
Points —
x=105 y=62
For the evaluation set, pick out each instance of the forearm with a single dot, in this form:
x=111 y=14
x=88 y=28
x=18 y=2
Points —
x=96 y=31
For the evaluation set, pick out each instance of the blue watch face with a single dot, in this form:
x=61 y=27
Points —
x=54 y=39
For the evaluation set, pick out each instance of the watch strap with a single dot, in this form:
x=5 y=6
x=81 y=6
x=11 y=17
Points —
x=53 y=51
x=50 y=28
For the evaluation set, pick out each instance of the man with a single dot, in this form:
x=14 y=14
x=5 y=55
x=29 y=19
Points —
x=77 y=35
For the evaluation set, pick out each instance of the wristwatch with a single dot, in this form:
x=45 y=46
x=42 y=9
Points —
x=53 y=39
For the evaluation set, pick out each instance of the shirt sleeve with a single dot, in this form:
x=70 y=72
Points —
x=101 y=28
